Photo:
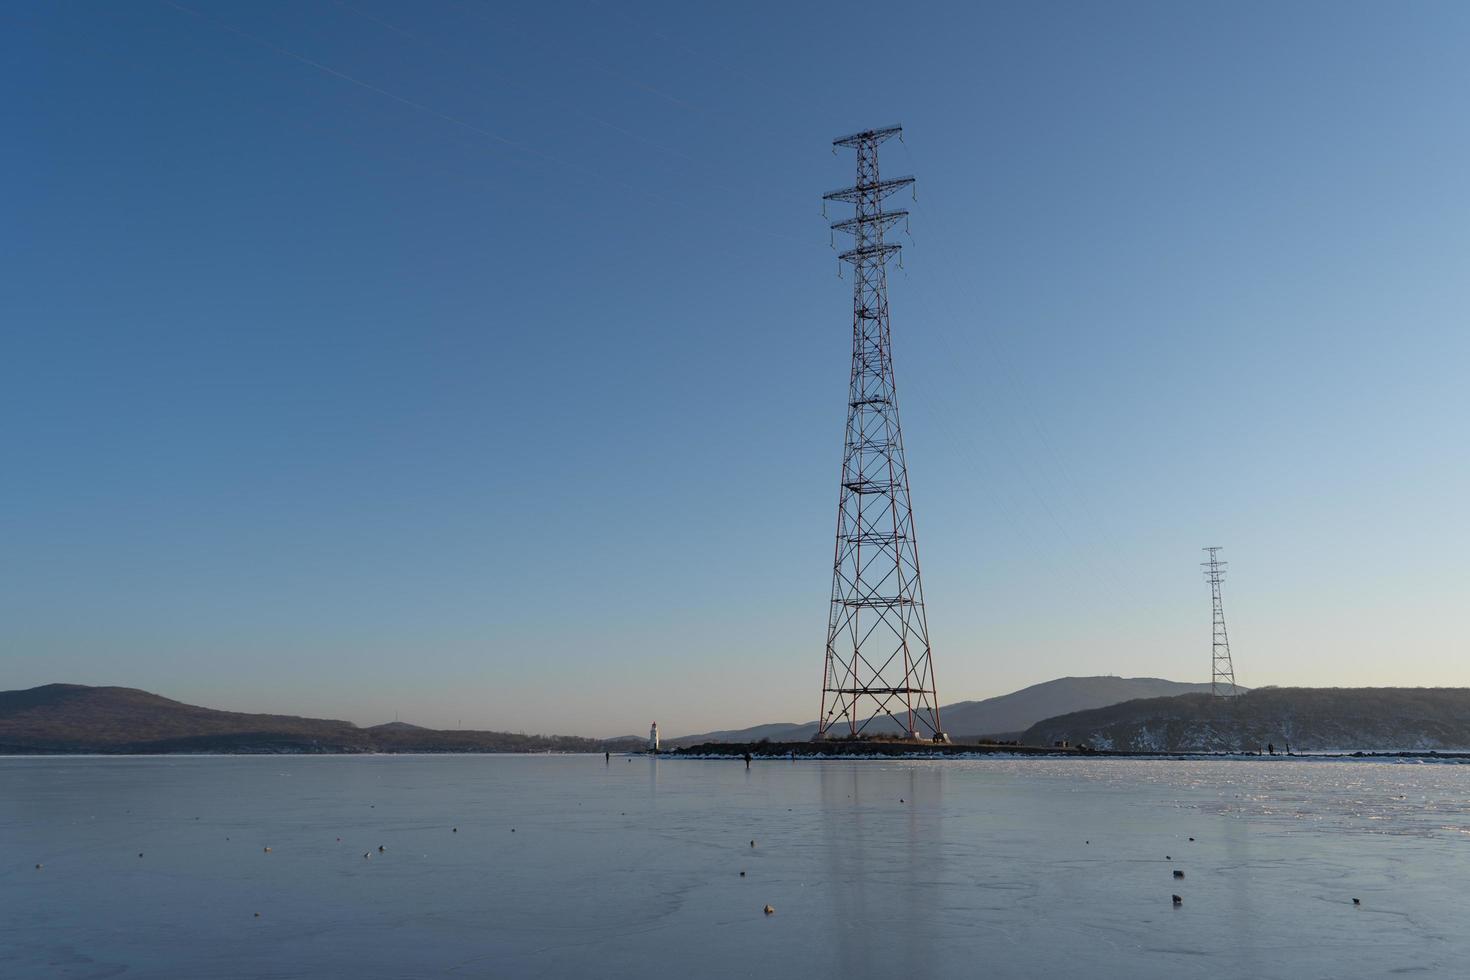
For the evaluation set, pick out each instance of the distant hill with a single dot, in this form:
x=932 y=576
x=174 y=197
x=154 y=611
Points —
x=72 y=718
x=1003 y=715
x=1019 y=710
x=1306 y=718
x=789 y=731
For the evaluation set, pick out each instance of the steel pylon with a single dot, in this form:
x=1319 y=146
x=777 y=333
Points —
x=879 y=670
x=1222 y=669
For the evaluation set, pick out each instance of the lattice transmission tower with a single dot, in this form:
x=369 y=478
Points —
x=1222 y=670
x=879 y=669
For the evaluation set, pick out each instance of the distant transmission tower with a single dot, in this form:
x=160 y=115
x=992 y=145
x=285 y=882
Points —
x=878 y=663
x=1222 y=671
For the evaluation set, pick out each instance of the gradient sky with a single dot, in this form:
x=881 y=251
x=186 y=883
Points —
x=487 y=363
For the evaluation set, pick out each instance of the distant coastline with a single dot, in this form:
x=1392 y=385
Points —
x=888 y=750
x=74 y=719
x=1424 y=723
x=957 y=753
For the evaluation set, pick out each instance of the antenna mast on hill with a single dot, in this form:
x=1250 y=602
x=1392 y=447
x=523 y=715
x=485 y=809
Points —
x=1222 y=671
x=878 y=661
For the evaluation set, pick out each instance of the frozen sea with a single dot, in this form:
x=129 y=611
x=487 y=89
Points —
x=567 y=866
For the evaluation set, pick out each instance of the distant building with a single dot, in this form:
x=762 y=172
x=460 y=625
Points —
x=653 y=737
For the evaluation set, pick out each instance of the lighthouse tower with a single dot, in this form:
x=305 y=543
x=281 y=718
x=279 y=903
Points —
x=653 y=737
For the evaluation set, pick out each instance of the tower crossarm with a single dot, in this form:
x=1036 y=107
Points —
x=875 y=191
x=882 y=220
x=881 y=252
x=874 y=136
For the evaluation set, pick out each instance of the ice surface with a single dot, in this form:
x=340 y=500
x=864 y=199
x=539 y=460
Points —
x=990 y=868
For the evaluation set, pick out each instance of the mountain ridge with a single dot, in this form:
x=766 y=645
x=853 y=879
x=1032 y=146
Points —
x=76 y=718
x=1004 y=714
x=1307 y=719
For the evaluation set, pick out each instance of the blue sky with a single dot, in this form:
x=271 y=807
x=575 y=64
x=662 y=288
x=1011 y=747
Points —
x=487 y=363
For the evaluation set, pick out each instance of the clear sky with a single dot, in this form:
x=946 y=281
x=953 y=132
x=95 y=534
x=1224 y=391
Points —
x=487 y=363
